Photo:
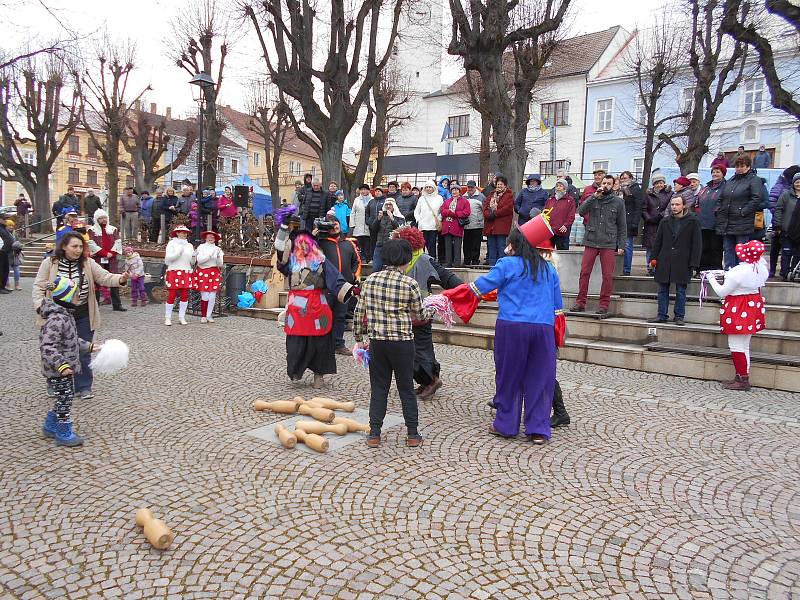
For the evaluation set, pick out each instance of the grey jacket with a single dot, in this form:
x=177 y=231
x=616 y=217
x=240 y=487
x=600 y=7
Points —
x=606 y=224
x=59 y=343
x=476 y=210
x=784 y=209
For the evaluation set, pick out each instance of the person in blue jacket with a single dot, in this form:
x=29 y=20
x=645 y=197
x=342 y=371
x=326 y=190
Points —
x=530 y=197
x=444 y=187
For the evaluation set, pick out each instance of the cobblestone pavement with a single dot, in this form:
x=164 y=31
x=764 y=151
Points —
x=661 y=488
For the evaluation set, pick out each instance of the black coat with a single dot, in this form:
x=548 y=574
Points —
x=315 y=205
x=678 y=255
x=634 y=199
x=737 y=205
x=341 y=254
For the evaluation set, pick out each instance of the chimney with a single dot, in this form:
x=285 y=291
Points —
x=169 y=112
x=153 y=108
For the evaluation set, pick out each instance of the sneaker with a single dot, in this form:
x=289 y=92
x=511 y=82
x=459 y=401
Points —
x=167 y=322
x=86 y=395
x=49 y=427
x=203 y=320
x=65 y=436
x=184 y=321
x=209 y=319
x=578 y=308
x=658 y=320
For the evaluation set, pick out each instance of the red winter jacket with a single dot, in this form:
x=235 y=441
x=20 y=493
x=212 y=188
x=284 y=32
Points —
x=499 y=222
x=450 y=224
x=563 y=212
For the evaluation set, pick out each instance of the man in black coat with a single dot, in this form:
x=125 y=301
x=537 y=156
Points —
x=736 y=209
x=676 y=253
x=343 y=255
x=316 y=204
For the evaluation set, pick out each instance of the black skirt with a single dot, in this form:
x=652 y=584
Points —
x=426 y=368
x=314 y=352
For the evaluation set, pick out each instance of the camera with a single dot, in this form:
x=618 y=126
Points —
x=323 y=226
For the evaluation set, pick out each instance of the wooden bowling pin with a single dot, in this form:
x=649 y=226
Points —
x=351 y=424
x=325 y=415
x=333 y=404
x=320 y=428
x=286 y=437
x=288 y=407
x=312 y=440
x=155 y=530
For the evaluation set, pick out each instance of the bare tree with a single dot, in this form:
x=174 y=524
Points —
x=654 y=59
x=105 y=109
x=269 y=120
x=506 y=43
x=38 y=115
x=146 y=141
x=353 y=61
x=717 y=68
x=746 y=23
x=391 y=96
x=199 y=28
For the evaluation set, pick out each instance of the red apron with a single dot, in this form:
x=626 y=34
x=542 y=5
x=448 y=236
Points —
x=308 y=313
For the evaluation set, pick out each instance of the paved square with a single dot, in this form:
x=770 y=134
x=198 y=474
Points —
x=661 y=488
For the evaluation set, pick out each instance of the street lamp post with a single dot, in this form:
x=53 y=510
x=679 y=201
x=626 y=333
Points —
x=203 y=82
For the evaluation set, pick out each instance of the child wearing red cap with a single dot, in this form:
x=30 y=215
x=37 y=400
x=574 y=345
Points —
x=743 y=310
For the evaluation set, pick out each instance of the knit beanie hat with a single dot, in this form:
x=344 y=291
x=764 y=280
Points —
x=564 y=183
x=100 y=214
x=657 y=178
x=796 y=177
x=684 y=181
x=63 y=289
x=721 y=168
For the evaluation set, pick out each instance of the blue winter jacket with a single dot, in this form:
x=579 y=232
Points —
x=527 y=200
x=443 y=191
x=146 y=207
x=780 y=186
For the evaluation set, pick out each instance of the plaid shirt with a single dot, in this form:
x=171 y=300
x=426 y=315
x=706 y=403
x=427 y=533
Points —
x=389 y=301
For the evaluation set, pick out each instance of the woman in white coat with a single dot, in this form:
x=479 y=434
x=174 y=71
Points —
x=426 y=214
x=208 y=276
x=358 y=222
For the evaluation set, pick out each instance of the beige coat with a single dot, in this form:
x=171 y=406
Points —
x=94 y=274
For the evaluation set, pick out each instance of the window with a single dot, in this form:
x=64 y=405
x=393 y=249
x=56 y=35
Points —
x=256 y=159
x=220 y=163
x=129 y=181
x=688 y=100
x=605 y=112
x=73 y=175
x=753 y=96
x=313 y=170
x=638 y=168
x=234 y=166
x=556 y=113
x=91 y=151
x=640 y=113
x=29 y=158
x=750 y=132
x=74 y=145
x=549 y=167
x=295 y=168
x=459 y=126
x=600 y=164
x=91 y=177
x=449 y=148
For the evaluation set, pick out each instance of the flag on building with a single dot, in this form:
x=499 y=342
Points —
x=447 y=131
x=543 y=125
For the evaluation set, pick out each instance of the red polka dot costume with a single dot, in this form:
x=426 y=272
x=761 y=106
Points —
x=208 y=276
x=179 y=278
x=743 y=311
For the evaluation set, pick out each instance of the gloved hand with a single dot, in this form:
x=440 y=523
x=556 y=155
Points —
x=356 y=291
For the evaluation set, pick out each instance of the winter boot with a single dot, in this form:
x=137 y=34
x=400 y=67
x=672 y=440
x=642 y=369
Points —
x=741 y=384
x=560 y=414
x=65 y=436
x=49 y=427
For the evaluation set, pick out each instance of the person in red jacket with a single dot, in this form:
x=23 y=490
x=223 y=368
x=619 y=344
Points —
x=454 y=211
x=562 y=214
x=498 y=215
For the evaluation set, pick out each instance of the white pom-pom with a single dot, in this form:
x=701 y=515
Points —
x=112 y=357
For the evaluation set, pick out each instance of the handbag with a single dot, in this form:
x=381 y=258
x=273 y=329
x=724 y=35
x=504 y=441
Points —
x=436 y=218
x=759 y=220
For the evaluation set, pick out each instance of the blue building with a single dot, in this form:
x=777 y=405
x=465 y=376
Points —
x=614 y=139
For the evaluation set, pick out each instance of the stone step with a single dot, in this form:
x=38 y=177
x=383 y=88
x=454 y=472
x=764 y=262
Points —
x=617 y=354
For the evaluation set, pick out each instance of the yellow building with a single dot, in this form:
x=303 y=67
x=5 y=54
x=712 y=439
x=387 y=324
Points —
x=297 y=157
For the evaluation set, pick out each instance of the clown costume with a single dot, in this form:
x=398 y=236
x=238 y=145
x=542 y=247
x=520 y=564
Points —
x=208 y=276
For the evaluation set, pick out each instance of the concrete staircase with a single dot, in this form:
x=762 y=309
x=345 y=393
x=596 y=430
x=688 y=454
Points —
x=624 y=338
x=33 y=253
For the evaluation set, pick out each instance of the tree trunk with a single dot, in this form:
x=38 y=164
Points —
x=331 y=157
x=485 y=152
x=689 y=162
x=113 y=193
x=213 y=134
x=42 y=209
x=649 y=142
x=380 y=158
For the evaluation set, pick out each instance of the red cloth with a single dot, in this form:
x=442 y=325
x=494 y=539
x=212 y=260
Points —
x=743 y=315
x=179 y=280
x=607 y=265
x=308 y=313
x=464 y=300
x=450 y=225
x=500 y=223
x=207 y=280
x=562 y=213
x=560 y=328
x=739 y=363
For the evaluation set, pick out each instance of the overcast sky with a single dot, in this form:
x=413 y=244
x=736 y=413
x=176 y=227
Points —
x=147 y=22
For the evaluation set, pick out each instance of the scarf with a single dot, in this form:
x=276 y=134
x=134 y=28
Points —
x=414 y=257
x=534 y=188
x=560 y=195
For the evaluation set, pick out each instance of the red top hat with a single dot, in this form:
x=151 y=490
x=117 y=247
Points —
x=179 y=229
x=538 y=229
x=546 y=245
x=217 y=237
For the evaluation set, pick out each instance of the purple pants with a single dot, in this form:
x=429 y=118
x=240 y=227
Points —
x=525 y=372
x=137 y=289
